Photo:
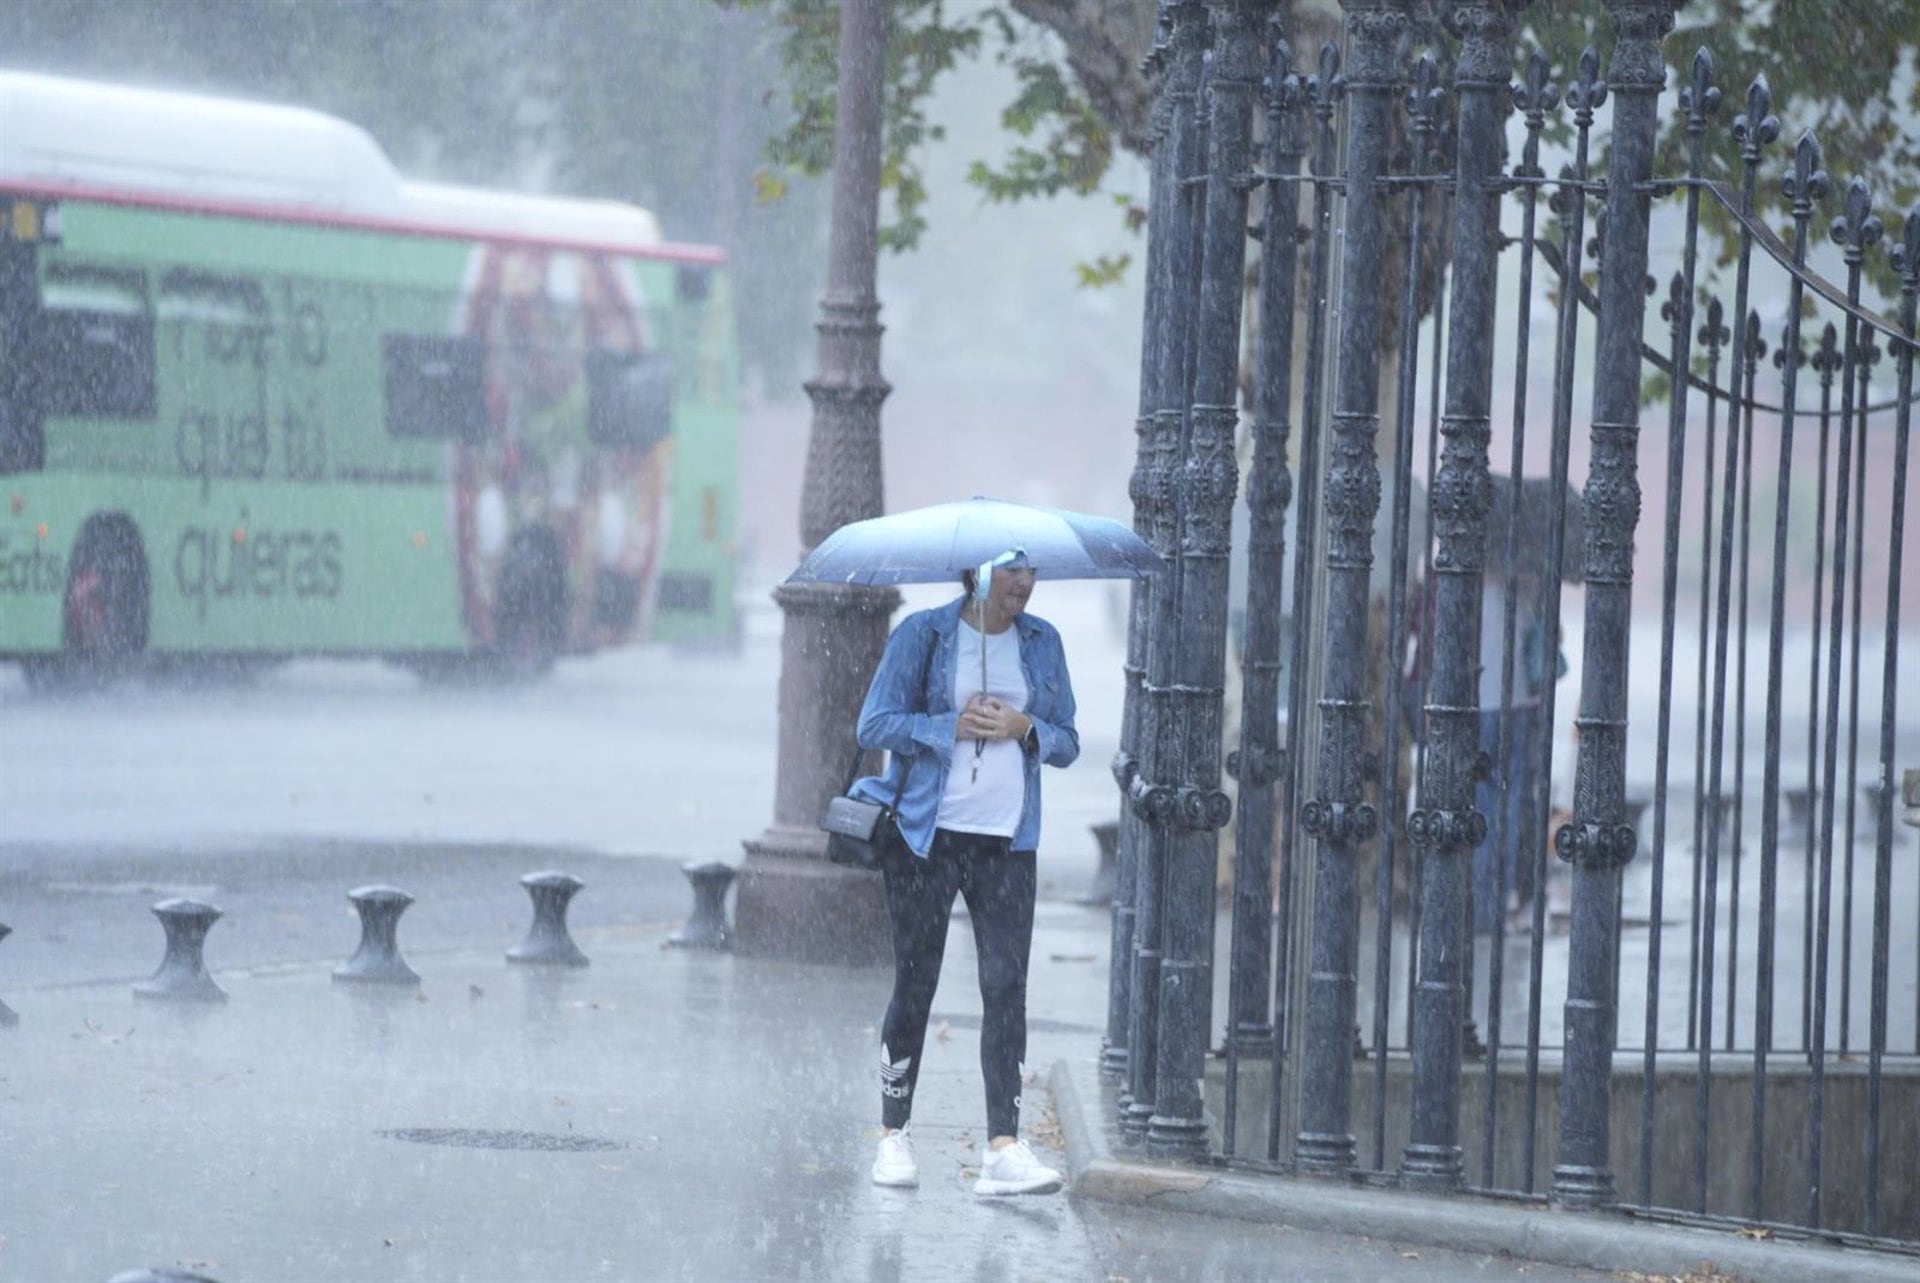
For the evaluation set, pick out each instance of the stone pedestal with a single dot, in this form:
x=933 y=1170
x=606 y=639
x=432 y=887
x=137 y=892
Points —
x=794 y=904
x=790 y=902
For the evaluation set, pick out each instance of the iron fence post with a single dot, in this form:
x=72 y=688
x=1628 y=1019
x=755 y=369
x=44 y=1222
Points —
x=1141 y=488
x=1260 y=761
x=1806 y=185
x=1533 y=96
x=1755 y=128
x=1208 y=480
x=1425 y=98
x=1152 y=791
x=1339 y=817
x=1700 y=100
x=1598 y=843
x=1256 y=765
x=1906 y=262
x=1448 y=825
x=1323 y=91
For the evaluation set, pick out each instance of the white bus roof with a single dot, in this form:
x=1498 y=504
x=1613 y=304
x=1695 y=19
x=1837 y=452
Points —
x=609 y=222
x=191 y=148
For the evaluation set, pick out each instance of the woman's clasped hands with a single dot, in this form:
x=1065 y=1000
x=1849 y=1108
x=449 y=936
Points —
x=988 y=718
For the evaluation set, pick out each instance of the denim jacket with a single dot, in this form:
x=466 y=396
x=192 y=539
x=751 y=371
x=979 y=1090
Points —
x=916 y=726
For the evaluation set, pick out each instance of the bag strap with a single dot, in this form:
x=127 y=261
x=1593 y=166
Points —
x=853 y=771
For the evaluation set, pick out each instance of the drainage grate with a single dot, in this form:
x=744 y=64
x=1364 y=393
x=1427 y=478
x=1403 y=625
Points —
x=481 y=1138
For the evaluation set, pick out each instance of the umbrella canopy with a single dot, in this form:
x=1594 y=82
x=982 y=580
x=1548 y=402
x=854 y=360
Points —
x=928 y=545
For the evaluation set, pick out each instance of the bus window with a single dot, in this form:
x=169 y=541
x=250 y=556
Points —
x=629 y=398
x=435 y=387
x=693 y=283
x=93 y=344
x=22 y=442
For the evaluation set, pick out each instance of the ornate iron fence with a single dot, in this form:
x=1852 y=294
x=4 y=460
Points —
x=1467 y=982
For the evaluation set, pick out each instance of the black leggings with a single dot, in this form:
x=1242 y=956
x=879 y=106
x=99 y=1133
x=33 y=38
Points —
x=998 y=885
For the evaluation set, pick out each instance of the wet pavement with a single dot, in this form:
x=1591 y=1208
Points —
x=663 y=1113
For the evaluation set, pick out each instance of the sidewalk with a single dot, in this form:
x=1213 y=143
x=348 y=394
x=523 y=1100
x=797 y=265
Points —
x=663 y=1114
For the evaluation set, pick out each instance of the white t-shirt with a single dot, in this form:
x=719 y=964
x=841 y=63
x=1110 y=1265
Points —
x=987 y=790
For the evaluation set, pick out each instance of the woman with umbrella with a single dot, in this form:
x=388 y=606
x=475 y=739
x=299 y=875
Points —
x=970 y=699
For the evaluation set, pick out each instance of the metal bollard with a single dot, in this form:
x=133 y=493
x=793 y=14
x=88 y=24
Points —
x=1800 y=806
x=547 y=939
x=707 y=928
x=160 y=1276
x=182 y=976
x=1100 y=890
x=8 y=1016
x=377 y=961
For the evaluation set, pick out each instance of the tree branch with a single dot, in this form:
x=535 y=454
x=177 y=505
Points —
x=1105 y=41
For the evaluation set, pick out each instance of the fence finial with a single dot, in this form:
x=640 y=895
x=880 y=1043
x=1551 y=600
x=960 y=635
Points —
x=1535 y=94
x=1806 y=185
x=1757 y=126
x=1588 y=92
x=1700 y=100
x=1906 y=255
x=1857 y=229
x=1327 y=88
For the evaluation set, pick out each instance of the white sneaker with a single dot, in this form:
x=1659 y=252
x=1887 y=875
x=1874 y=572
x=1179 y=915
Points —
x=895 y=1165
x=1014 y=1170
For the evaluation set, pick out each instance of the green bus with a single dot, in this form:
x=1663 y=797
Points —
x=260 y=396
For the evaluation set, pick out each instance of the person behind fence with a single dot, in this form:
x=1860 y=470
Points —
x=970 y=700
x=1503 y=864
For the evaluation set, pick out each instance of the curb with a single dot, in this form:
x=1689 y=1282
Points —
x=1476 y=1226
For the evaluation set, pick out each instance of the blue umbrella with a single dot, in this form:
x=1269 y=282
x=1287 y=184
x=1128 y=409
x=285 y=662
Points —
x=928 y=545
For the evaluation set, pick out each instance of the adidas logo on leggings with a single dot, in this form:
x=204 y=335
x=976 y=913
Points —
x=893 y=1076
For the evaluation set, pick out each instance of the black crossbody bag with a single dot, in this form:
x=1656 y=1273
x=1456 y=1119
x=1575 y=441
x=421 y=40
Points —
x=858 y=831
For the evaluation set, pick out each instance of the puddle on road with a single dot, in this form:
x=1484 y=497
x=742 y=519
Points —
x=187 y=891
x=481 y=1138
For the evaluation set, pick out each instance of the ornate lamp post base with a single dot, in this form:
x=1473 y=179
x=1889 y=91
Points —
x=796 y=906
x=790 y=902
